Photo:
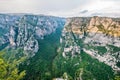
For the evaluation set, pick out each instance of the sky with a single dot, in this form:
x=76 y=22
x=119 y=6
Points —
x=63 y=8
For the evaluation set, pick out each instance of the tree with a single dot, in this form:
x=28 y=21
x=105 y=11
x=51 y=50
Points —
x=78 y=74
x=117 y=77
x=3 y=67
x=9 y=69
x=66 y=76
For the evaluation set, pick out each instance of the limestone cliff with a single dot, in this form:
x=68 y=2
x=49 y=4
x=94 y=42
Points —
x=97 y=36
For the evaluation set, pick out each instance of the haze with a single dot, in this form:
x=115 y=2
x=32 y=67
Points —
x=63 y=8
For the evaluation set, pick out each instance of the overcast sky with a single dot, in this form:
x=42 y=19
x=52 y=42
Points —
x=64 y=8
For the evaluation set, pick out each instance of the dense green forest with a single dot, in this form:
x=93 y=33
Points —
x=43 y=69
x=91 y=68
x=9 y=69
x=39 y=67
x=48 y=63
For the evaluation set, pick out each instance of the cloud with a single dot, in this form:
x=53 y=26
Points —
x=84 y=11
x=64 y=8
x=106 y=14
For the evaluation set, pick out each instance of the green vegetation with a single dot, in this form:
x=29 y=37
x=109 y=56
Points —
x=92 y=68
x=98 y=69
x=101 y=49
x=39 y=67
x=48 y=63
x=114 y=48
x=118 y=64
x=2 y=31
x=3 y=46
x=9 y=69
x=66 y=76
x=117 y=77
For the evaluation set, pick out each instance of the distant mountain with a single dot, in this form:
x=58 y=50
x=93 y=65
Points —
x=24 y=30
x=88 y=45
x=78 y=48
x=97 y=36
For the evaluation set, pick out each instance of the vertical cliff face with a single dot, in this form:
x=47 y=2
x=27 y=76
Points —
x=89 y=46
x=97 y=36
x=22 y=31
x=108 y=26
x=7 y=29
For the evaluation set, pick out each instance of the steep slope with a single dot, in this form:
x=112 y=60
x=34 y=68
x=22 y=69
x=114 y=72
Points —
x=99 y=37
x=84 y=48
x=39 y=67
x=22 y=31
x=33 y=37
x=89 y=42
x=6 y=21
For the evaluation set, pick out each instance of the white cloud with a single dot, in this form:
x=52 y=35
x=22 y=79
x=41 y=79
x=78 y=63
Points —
x=65 y=8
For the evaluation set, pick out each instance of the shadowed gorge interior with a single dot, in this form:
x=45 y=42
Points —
x=52 y=48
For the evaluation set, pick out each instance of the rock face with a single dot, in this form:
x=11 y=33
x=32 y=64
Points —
x=7 y=29
x=97 y=36
x=24 y=31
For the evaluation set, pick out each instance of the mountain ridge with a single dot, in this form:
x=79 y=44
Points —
x=81 y=33
x=70 y=46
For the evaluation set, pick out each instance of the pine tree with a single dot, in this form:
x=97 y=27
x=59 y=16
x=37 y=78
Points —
x=117 y=77
x=9 y=69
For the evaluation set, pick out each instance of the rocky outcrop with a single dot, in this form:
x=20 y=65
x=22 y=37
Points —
x=104 y=25
x=97 y=36
x=7 y=23
x=24 y=31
